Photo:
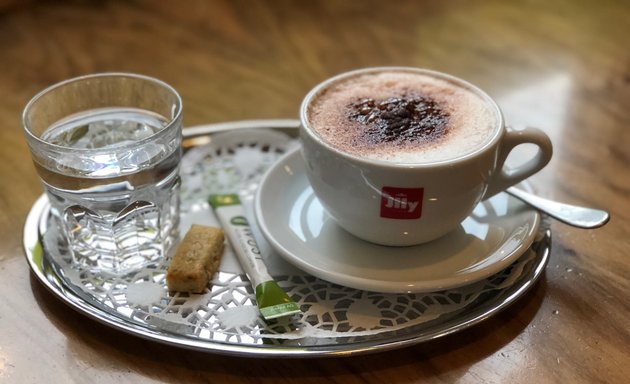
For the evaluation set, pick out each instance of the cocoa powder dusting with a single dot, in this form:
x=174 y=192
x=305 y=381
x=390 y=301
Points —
x=405 y=119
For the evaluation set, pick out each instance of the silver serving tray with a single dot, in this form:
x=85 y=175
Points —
x=336 y=320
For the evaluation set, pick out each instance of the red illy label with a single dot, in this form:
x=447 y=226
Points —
x=401 y=203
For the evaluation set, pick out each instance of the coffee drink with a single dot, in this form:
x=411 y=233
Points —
x=401 y=156
x=403 y=116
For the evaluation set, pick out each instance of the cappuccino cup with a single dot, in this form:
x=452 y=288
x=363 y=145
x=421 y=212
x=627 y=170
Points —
x=401 y=156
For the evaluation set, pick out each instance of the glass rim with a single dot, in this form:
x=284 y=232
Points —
x=172 y=120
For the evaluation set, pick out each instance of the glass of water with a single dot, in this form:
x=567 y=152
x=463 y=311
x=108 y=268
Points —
x=107 y=148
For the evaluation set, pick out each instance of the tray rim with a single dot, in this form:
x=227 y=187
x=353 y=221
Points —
x=37 y=263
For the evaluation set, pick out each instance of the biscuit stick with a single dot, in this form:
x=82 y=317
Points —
x=197 y=258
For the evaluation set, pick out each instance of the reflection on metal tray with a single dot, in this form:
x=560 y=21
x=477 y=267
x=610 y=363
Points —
x=336 y=320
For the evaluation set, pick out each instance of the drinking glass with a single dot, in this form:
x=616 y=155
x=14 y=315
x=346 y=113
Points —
x=107 y=148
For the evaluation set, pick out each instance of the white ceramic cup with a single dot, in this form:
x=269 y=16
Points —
x=397 y=204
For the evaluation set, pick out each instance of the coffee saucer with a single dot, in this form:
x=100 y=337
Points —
x=296 y=225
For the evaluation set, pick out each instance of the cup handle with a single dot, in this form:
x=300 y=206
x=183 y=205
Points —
x=504 y=178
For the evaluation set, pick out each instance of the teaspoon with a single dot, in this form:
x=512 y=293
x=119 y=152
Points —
x=581 y=217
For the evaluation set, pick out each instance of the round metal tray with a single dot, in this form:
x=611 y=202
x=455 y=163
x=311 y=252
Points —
x=336 y=320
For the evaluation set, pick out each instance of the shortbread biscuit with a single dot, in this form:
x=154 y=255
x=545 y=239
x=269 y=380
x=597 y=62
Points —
x=196 y=260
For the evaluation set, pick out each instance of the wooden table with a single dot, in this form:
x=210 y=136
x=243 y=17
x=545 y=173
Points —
x=564 y=67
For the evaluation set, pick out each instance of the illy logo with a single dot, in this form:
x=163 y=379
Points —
x=401 y=203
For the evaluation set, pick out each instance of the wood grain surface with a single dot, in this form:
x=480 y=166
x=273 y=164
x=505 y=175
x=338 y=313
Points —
x=563 y=66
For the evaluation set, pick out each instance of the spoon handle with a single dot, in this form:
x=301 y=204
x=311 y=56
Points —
x=581 y=217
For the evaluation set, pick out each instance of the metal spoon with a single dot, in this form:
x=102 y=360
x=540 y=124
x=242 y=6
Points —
x=581 y=217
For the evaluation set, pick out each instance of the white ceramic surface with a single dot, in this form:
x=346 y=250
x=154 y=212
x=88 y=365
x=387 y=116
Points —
x=292 y=219
x=401 y=204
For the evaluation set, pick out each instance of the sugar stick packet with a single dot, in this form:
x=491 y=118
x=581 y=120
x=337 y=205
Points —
x=272 y=301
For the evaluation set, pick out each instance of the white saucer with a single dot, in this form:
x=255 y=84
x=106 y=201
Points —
x=293 y=221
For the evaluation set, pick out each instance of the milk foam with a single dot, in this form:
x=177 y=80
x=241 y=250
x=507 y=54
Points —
x=471 y=120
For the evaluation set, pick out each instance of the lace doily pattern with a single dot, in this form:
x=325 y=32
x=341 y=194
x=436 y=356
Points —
x=226 y=312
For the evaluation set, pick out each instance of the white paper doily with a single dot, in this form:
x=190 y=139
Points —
x=335 y=319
